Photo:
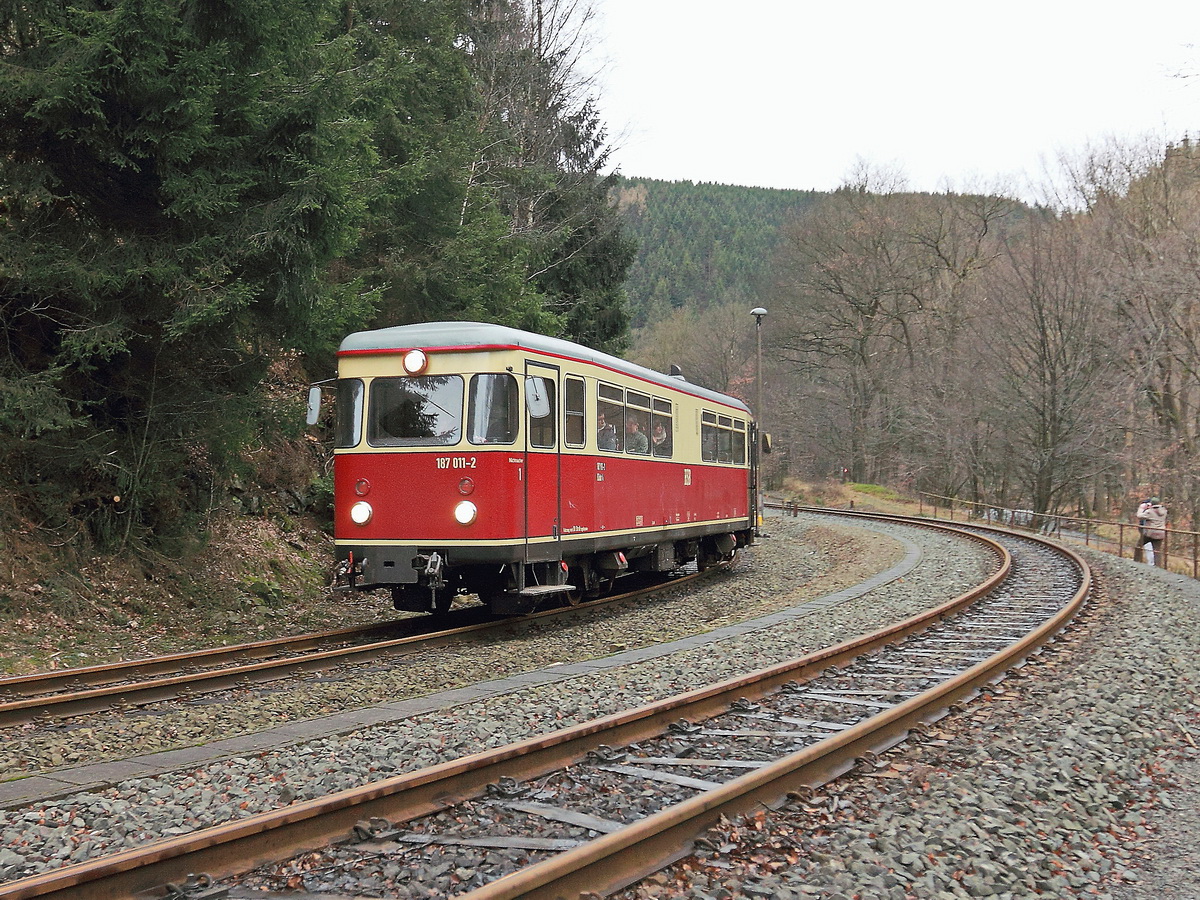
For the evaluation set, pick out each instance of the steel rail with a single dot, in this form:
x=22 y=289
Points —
x=239 y=846
x=108 y=673
x=109 y=696
x=616 y=860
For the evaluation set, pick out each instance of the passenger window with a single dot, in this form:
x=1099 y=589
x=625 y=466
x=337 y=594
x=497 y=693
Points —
x=662 y=428
x=708 y=437
x=725 y=440
x=574 y=413
x=610 y=417
x=637 y=424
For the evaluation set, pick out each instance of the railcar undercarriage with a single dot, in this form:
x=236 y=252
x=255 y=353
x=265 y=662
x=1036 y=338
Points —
x=428 y=580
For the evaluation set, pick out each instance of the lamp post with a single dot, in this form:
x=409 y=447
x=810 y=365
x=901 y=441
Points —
x=758 y=312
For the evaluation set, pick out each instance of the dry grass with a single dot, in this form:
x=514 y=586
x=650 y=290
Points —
x=256 y=577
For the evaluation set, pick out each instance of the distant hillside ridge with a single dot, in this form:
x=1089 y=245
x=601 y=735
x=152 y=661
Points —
x=700 y=245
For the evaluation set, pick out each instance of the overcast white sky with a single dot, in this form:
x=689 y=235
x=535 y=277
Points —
x=791 y=93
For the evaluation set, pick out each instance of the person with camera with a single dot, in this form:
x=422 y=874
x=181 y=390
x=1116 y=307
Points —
x=1152 y=529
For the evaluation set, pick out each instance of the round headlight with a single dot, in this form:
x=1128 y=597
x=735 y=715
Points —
x=360 y=512
x=415 y=362
x=465 y=512
x=362 y=487
x=466 y=486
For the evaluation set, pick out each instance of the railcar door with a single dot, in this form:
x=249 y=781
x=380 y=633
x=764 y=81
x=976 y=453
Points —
x=543 y=469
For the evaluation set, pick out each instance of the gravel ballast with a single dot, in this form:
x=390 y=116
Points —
x=1049 y=786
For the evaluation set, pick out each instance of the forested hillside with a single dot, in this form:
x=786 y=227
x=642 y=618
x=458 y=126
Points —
x=969 y=346
x=198 y=202
x=699 y=245
x=195 y=209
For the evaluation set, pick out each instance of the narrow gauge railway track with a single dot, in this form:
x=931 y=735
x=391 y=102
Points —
x=789 y=728
x=44 y=697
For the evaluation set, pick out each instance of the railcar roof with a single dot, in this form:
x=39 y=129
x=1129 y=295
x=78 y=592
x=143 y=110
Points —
x=427 y=335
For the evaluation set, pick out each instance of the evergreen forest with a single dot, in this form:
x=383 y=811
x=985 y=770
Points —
x=700 y=245
x=198 y=200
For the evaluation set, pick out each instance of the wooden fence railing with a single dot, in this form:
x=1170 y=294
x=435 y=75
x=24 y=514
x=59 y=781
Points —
x=1111 y=537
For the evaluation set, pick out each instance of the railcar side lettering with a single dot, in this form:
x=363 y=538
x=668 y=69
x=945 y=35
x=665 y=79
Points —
x=455 y=462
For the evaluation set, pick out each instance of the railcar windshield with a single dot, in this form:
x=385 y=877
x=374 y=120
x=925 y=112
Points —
x=349 y=412
x=415 y=412
x=492 y=409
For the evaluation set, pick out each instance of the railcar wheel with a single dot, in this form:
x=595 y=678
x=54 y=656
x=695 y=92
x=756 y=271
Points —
x=587 y=585
x=712 y=552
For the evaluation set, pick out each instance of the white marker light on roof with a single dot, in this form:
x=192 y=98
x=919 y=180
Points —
x=415 y=362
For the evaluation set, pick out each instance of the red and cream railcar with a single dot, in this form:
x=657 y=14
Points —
x=476 y=458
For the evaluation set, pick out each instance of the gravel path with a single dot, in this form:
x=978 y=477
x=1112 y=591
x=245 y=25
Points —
x=1069 y=782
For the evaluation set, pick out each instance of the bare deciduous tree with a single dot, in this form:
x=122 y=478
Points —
x=1049 y=363
x=874 y=293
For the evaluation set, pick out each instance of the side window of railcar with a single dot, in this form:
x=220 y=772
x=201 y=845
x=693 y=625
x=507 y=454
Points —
x=542 y=428
x=349 y=412
x=575 y=413
x=739 y=442
x=662 y=428
x=724 y=439
x=493 y=408
x=610 y=417
x=637 y=423
x=708 y=437
x=415 y=412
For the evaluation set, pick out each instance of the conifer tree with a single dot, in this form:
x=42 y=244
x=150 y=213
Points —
x=176 y=179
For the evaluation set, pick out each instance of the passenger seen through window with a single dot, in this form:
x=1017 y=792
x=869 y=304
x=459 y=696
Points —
x=635 y=438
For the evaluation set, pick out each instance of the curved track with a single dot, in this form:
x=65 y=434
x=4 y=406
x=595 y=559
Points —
x=789 y=727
